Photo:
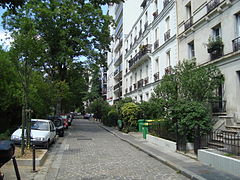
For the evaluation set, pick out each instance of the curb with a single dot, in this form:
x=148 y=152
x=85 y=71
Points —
x=174 y=166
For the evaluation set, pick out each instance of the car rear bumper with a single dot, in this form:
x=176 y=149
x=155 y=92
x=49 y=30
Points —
x=36 y=143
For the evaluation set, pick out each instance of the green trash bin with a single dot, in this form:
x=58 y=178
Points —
x=140 y=125
x=145 y=129
x=120 y=124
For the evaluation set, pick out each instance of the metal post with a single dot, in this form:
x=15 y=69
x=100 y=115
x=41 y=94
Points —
x=16 y=168
x=34 y=157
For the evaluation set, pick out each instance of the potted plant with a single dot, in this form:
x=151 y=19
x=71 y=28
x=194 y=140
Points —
x=215 y=44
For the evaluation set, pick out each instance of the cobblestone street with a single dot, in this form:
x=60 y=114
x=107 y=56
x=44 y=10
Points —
x=90 y=152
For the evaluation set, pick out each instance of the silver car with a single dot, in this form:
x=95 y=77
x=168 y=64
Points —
x=43 y=133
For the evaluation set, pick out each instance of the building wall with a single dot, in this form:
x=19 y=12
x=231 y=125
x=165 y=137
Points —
x=201 y=28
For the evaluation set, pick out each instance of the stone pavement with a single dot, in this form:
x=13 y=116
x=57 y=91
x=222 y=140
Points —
x=188 y=166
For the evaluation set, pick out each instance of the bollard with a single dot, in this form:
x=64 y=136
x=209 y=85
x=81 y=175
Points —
x=16 y=168
x=34 y=157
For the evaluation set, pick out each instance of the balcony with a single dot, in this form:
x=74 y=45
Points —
x=167 y=35
x=145 y=49
x=118 y=60
x=168 y=70
x=156 y=44
x=134 y=86
x=117 y=86
x=155 y=14
x=156 y=76
x=215 y=47
x=188 y=23
x=145 y=26
x=140 y=83
x=236 y=44
x=146 y=81
x=165 y=3
x=118 y=72
x=212 y=5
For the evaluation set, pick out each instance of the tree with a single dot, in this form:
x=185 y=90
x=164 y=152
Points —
x=11 y=4
x=63 y=31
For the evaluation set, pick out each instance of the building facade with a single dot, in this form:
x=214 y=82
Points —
x=210 y=32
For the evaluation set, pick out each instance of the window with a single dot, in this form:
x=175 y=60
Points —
x=188 y=10
x=167 y=23
x=135 y=77
x=156 y=4
x=191 y=50
x=141 y=98
x=140 y=73
x=146 y=16
x=168 y=57
x=140 y=24
x=156 y=34
x=146 y=70
x=216 y=31
x=238 y=24
x=146 y=40
x=156 y=65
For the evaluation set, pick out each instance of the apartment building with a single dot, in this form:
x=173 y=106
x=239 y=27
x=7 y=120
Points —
x=150 y=48
x=124 y=17
x=210 y=32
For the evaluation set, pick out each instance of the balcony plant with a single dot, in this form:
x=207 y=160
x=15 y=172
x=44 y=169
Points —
x=215 y=44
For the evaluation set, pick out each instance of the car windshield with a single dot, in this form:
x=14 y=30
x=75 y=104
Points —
x=64 y=117
x=39 y=125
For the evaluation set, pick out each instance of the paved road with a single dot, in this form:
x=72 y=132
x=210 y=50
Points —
x=90 y=152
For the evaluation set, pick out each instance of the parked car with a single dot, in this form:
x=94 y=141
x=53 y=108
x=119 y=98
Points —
x=43 y=133
x=87 y=116
x=65 y=120
x=59 y=124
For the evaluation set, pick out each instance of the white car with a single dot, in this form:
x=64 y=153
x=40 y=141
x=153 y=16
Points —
x=43 y=133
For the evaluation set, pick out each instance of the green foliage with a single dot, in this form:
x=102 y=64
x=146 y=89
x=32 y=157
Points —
x=5 y=135
x=112 y=118
x=120 y=104
x=130 y=113
x=153 y=109
x=191 y=115
x=99 y=108
x=214 y=42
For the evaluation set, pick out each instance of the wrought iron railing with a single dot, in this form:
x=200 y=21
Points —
x=156 y=44
x=140 y=83
x=145 y=49
x=165 y=3
x=167 y=35
x=168 y=70
x=146 y=80
x=236 y=44
x=156 y=76
x=188 y=23
x=212 y=5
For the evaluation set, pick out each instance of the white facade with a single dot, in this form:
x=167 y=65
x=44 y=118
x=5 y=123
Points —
x=145 y=51
x=199 y=20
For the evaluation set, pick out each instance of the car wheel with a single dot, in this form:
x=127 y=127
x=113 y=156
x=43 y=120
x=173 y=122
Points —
x=62 y=133
x=47 y=145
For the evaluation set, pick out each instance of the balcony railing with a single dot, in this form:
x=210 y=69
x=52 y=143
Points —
x=155 y=14
x=167 y=35
x=168 y=70
x=119 y=58
x=188 y=23
x=144 y=50
x=156 y=44
x=236 y=44
x=165 y=3
x=134 y=86
x=156 y=76
x=146 y=81
x=145 y=26
x=212 y=5
x=130 y=89
x=140 y=83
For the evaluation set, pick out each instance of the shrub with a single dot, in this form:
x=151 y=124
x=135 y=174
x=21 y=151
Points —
x=99 y=108
x=112 y=118
x=191 y=115
x=130 y=113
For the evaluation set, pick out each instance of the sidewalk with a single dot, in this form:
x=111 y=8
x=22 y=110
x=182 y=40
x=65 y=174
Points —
x=189 y=167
